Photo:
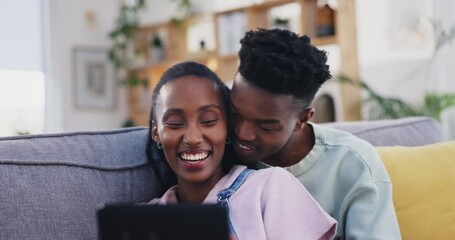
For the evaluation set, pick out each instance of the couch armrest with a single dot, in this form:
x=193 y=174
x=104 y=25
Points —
x=52 y=184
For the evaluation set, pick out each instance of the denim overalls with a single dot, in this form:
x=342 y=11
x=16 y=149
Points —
x=223 y=196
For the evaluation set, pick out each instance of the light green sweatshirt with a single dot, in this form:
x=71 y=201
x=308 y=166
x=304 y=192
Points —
x=348 y=179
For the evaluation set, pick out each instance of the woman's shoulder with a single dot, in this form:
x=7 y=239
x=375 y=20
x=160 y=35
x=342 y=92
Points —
x=259 y=179
x=169 y=197
x=270 y=171
x=273 y=171
x=272 y=174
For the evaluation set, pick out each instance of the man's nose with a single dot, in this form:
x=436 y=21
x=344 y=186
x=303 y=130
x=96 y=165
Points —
x=193 y=135
x=244 y=130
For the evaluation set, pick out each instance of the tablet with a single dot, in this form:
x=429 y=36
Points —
x=163 y=222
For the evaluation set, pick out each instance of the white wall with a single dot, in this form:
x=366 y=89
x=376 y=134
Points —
x=395 y=45
x=393 y=53
x=163 y=10
x=68 y=27
x=396 y=42
x=444 y=70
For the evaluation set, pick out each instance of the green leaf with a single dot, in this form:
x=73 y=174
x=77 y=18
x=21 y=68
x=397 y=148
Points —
x=121 y=36
x=433 y=104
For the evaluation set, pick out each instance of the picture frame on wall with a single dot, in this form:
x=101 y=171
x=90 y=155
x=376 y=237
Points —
x=94 y=78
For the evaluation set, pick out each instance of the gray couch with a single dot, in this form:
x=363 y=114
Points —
x=51 y=185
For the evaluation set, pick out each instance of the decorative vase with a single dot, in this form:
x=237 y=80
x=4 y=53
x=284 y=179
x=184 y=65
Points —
x=156 y=54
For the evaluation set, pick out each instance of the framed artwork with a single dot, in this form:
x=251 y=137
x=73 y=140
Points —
x=95 y=79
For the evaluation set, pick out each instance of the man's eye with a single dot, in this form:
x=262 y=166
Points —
x=269 y=128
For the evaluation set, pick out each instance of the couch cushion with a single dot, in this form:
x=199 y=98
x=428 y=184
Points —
x=411 y=131
x=423 y=181
x=51 y=185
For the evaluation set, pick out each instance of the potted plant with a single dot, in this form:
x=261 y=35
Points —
x=432 y=105
x=156 y=51
x=282 y=23
x=121 y=52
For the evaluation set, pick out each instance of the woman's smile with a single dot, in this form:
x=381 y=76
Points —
x=194 y=156
x=194 y=160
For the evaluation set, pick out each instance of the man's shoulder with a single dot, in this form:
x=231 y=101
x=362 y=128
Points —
x=350 y=150
x=335 y=139
x=331 y=135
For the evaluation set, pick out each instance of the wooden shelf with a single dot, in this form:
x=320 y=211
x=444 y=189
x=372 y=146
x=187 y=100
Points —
x=255 y=15
x=150 y=65
x=269 y=4
x=324 y=40
x=229 y=57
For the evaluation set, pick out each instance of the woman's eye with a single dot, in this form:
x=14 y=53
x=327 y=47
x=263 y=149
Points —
x=174 y=124
x=209 y=122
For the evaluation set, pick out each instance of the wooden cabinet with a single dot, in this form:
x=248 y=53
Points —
x=299 y=16
x=226 y=28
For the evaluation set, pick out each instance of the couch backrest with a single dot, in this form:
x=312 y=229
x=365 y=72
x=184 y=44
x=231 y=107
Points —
x=410 y=131
x=51 y=185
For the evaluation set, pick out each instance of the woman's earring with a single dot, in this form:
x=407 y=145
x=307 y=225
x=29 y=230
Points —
x=159 y=145
x=228 y=140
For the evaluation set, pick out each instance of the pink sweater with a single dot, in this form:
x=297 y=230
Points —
x=271 y=204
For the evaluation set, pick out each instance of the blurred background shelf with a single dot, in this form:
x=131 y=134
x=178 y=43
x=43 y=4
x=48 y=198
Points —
x=213 y=38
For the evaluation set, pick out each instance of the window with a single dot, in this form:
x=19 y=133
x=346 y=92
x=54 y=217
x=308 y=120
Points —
x=21 y=102
x=22 y=85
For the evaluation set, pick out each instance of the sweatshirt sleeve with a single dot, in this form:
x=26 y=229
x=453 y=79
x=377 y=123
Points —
x=289 y=211
x=368 y=207
x=371 y=214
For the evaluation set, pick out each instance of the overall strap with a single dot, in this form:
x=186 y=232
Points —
x=223 y=196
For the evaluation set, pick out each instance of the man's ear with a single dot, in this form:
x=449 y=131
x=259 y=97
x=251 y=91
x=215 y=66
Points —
x=155 y=135
x=304 y=118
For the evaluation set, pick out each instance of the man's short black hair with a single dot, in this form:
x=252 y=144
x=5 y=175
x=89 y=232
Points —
x=283 y=62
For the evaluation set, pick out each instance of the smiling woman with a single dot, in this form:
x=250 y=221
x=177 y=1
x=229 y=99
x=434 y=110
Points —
x=193 y=133
x=189 y=135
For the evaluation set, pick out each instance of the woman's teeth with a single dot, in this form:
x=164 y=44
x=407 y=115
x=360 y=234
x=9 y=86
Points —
x=194 y=157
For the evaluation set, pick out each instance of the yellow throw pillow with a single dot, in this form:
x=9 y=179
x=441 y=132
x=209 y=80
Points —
x=423 y=181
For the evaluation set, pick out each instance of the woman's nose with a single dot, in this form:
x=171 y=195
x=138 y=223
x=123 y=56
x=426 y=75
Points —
x=193 y=135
